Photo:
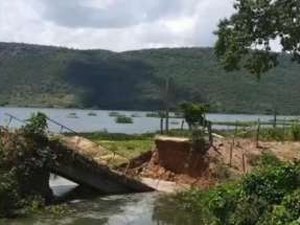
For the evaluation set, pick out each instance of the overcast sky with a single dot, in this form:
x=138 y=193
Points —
x=112 y=24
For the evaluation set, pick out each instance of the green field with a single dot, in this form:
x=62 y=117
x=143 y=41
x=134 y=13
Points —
x=130 y=146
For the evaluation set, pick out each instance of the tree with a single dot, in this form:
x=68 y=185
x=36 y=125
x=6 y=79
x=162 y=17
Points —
x=162 y=90
x=245 y=39
x=194 y=115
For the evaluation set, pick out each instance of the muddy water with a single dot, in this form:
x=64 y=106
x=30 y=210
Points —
x=134 y=209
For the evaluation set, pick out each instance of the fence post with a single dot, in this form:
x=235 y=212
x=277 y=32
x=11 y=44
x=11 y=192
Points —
x=275 y=118
x=244 y=163
x=209 y=128
x=233 y=143
x=231 y=151
x=257 y=133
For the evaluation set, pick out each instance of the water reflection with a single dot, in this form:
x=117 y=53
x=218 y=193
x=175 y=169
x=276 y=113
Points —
x=167 y=212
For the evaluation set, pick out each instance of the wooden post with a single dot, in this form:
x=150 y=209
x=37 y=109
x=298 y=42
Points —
x=233 y=143
x=244 y=163
x=231 y=151
x=257 y=133
x=209 y=128
x=275 y=118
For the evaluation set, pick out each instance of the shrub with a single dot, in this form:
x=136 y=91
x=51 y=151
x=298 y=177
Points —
x=292 y=203
x=24 y=159
x=272 y=183
x=9 y=197
x=275 y=134
x=269 y=196
x=123 y=119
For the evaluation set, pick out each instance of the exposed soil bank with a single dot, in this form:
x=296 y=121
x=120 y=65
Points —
x=172 y=160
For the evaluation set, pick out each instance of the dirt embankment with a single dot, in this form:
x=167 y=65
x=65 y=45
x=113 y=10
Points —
x=173 y=160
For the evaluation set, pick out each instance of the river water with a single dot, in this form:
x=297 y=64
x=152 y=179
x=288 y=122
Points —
x=81 y=121
x=134 y=209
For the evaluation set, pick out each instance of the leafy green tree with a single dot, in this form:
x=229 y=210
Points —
x=194 y=114
x=245 y=39
x=37 y=124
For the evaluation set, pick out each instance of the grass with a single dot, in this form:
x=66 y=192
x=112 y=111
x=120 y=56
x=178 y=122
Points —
x=291 y=133
x=130 y=149
x=130 y=146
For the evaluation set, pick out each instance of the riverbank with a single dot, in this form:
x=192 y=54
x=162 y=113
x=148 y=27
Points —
x=230 y=158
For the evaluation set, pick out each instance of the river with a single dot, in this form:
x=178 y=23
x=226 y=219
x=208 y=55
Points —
x=99 y=120
x=135 y=209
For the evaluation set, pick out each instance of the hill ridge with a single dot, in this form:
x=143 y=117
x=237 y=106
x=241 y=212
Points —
x=47 y=76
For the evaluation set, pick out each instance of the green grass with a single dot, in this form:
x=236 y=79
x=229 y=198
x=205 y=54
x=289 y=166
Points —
x=130 y=149
x=290 y=133
x=130 y=146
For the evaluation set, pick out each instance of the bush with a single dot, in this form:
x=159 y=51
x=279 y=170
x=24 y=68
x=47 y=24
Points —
x=9 y=197
x=276 y=134
x=123 y=119
x=269 y=196
x=272 y=183
x=24 y=160
x=292 y=203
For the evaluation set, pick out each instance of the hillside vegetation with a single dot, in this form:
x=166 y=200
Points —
x=43 y=76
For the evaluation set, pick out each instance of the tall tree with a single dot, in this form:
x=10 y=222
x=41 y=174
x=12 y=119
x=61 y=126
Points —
x=245 y=39
x=164 y=91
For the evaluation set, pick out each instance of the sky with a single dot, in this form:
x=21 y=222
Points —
x=117 y=25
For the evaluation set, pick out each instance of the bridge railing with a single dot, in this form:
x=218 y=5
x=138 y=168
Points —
x=110 y=162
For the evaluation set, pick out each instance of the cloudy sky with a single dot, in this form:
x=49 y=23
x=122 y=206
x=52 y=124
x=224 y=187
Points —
x=112 y=24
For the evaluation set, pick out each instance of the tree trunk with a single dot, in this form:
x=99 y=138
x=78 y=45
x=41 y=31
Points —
x=161 y=125
x=167 y=104
x=167 y=120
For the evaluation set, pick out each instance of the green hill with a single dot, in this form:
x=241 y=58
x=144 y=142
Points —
x=42 y=76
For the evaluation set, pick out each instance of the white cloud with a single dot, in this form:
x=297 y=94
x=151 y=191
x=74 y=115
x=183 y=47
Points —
x=112 y=24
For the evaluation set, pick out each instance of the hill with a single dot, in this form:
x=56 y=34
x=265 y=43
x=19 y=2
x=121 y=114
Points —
x=43 y=76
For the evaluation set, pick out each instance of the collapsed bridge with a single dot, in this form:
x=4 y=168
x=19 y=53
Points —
x=86 y=163
x=73 y=164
